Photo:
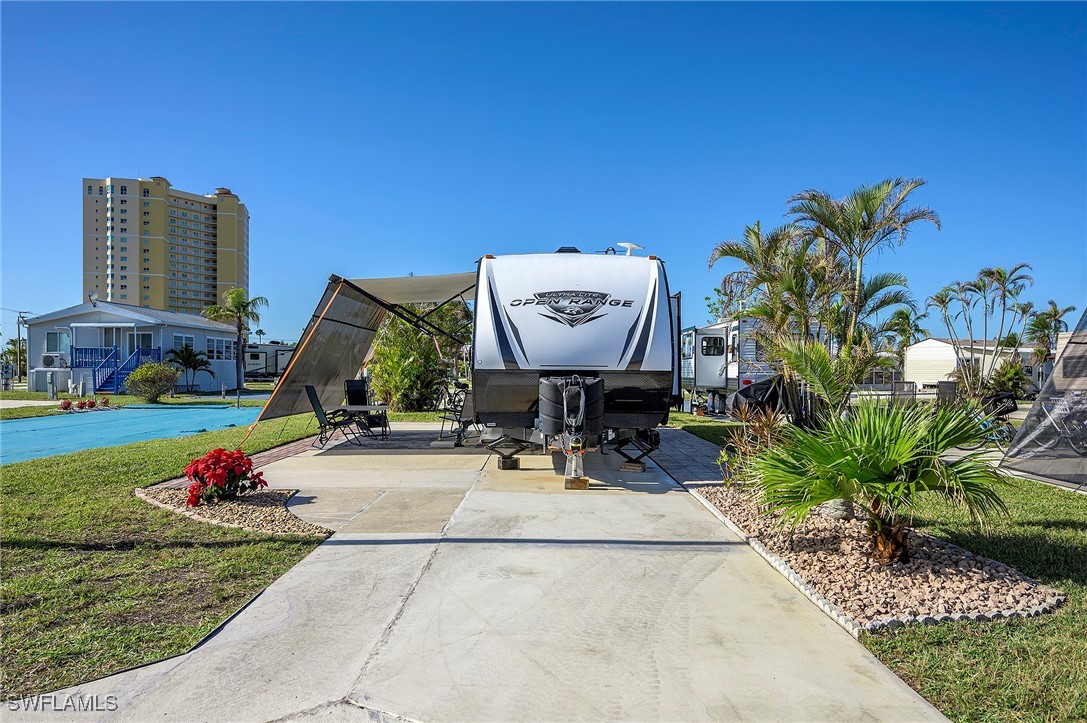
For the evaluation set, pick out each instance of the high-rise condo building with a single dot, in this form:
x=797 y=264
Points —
x=147 y=244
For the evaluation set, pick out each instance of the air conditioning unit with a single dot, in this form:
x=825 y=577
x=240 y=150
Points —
x=54 y=361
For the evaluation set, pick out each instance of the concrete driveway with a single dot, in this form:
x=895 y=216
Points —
x=453 y=591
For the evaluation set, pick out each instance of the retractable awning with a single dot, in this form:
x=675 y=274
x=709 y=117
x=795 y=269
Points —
x=342 y=328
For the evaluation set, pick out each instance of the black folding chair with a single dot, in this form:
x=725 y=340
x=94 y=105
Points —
x=451 y=407
x=330 y=422
x=947 y=392
x=357 y=392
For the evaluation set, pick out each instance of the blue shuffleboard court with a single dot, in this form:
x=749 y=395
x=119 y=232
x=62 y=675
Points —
x=22 y=439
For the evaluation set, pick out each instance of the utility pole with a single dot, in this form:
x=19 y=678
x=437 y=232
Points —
x=19 y=321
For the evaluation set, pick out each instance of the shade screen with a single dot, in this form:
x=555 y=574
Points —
x=1052 y=443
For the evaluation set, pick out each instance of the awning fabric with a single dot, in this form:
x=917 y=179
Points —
x=341 y=330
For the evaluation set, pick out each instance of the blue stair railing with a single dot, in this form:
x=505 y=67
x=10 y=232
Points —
x=135 y=359
x=105 y=371
x=88 y=357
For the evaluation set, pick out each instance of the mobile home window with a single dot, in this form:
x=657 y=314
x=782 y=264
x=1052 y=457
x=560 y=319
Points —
x=220 y=349
x=183 y=340
x=140 y=340
x=57 y=342
x=713 y=346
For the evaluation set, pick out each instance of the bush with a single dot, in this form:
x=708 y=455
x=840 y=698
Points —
x=152 y=380
x=91 y=404
x=65 y=404
x=407 y=371
x=1009 y=377
x=220 y=474
x=81 y=404
x=881 y=458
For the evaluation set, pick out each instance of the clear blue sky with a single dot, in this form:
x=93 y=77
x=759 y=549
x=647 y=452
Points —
x=382 y=139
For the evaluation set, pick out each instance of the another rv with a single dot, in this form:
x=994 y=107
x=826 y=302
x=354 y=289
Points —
x=720 y=358
x=267 y=361
x=572 y=351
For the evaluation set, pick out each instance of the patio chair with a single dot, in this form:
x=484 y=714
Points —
x=947 y=392
x=330 y=422
x=467 y=418
x=903 y=394
x=356 y=391
x=451 y=407
x=372 y=424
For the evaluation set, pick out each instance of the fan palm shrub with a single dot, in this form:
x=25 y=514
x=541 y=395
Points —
x=192 y=362
x=881 y=458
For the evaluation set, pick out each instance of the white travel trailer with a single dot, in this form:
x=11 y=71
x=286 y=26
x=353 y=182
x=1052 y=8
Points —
x=573 y=350
x=267 y=361
x=720 y=358
x=570 y=351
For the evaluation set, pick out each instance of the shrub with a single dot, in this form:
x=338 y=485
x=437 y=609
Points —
x=881 y=458
x=81 y=404
x=65 y=405
x=761 y=428
x=220 y=474
x=103 y=402
x=152 y=380
x=1009 y=377
x=91 y=404
x=410 y=368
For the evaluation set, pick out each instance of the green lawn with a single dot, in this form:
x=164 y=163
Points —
x=1032 y=669
x=94 y=580
x=712 y=430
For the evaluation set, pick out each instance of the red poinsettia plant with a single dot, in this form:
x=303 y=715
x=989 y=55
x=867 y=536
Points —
x=81 y=404
x=222 y=474
x=91 y=404
x=65 y=404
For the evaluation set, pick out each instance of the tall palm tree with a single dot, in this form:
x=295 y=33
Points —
x=238 y=309
x=1007 y=285
x=1044 y=328
x=191 y=361
x=905 y=326
x=867 y=219
x=259 y=333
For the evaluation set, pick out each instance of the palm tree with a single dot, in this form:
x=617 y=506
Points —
x=867 y=219
x=238 y=310
x=1044 y=328
x=881 y=458
x=192 y=362
x=259 y=333
x=905 y=325
x=1008 y=284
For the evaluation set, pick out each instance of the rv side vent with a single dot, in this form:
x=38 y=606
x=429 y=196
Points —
x=568 y=250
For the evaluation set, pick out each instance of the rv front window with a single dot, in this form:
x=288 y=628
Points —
x=713 y=346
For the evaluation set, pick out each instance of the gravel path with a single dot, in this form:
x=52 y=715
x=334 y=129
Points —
x=262 y=511
x=940 y=582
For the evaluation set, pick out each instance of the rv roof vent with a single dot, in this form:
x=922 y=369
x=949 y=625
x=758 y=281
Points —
x=568 y=250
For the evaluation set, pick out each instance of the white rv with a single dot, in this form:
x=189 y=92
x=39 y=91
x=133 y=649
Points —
x=573 y=350
x=720 y=358
x=267 y=361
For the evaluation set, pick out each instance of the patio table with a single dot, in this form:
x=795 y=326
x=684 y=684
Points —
x=361 y=411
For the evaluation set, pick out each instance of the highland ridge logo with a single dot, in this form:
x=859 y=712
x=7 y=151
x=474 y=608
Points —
x=572 y=307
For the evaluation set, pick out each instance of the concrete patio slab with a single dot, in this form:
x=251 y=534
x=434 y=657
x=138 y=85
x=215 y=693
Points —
x=532 y=602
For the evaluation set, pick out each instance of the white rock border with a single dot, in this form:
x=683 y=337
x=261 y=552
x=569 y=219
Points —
x=139 y=491
x=840 y=616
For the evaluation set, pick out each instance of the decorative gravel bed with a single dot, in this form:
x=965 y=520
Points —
x=941 y=582
x=261 y=511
